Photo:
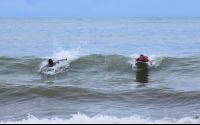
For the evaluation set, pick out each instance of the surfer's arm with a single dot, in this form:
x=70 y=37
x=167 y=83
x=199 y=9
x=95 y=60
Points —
x=43 y=67
x=59 y=60
x=147 y=60
x=150 y=62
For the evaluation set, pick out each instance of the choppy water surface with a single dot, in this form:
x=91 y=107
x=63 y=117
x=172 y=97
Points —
x=100 y=83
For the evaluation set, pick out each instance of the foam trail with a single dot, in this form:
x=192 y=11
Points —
x=102 y=119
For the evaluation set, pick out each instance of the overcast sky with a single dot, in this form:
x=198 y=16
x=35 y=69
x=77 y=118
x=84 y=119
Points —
x=99 y=8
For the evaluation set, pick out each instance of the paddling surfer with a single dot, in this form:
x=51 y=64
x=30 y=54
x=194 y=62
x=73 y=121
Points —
x=142 y=58
x=51 y=63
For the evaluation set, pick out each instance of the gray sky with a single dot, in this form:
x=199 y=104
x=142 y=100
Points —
x=99 y=8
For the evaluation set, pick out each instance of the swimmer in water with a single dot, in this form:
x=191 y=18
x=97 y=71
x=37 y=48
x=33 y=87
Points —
x=51 y=63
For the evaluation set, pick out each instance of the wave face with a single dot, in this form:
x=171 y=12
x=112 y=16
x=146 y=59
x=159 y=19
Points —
x=92 y=67
x=98 y=65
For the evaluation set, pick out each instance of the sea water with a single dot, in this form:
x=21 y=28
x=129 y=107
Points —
x=99 y=82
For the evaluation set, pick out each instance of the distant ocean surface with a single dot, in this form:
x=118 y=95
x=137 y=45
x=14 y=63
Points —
x=100 y=83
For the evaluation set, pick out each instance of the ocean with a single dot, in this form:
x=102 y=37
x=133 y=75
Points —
x=99 y=82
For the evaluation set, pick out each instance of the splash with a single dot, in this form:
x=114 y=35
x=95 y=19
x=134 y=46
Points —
x=60 y=53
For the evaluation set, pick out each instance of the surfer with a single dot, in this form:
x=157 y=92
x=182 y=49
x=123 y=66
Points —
x=51 y=63
x=142 y=58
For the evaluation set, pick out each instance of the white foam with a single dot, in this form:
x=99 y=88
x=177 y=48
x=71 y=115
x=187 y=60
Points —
x=132 y=61
x=156 y=60
x=103 y=119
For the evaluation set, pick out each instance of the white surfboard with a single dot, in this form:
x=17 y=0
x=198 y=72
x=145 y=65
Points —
x=141 y=63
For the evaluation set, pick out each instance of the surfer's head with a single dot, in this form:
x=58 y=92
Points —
x=141 y=57
x=50 y=61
